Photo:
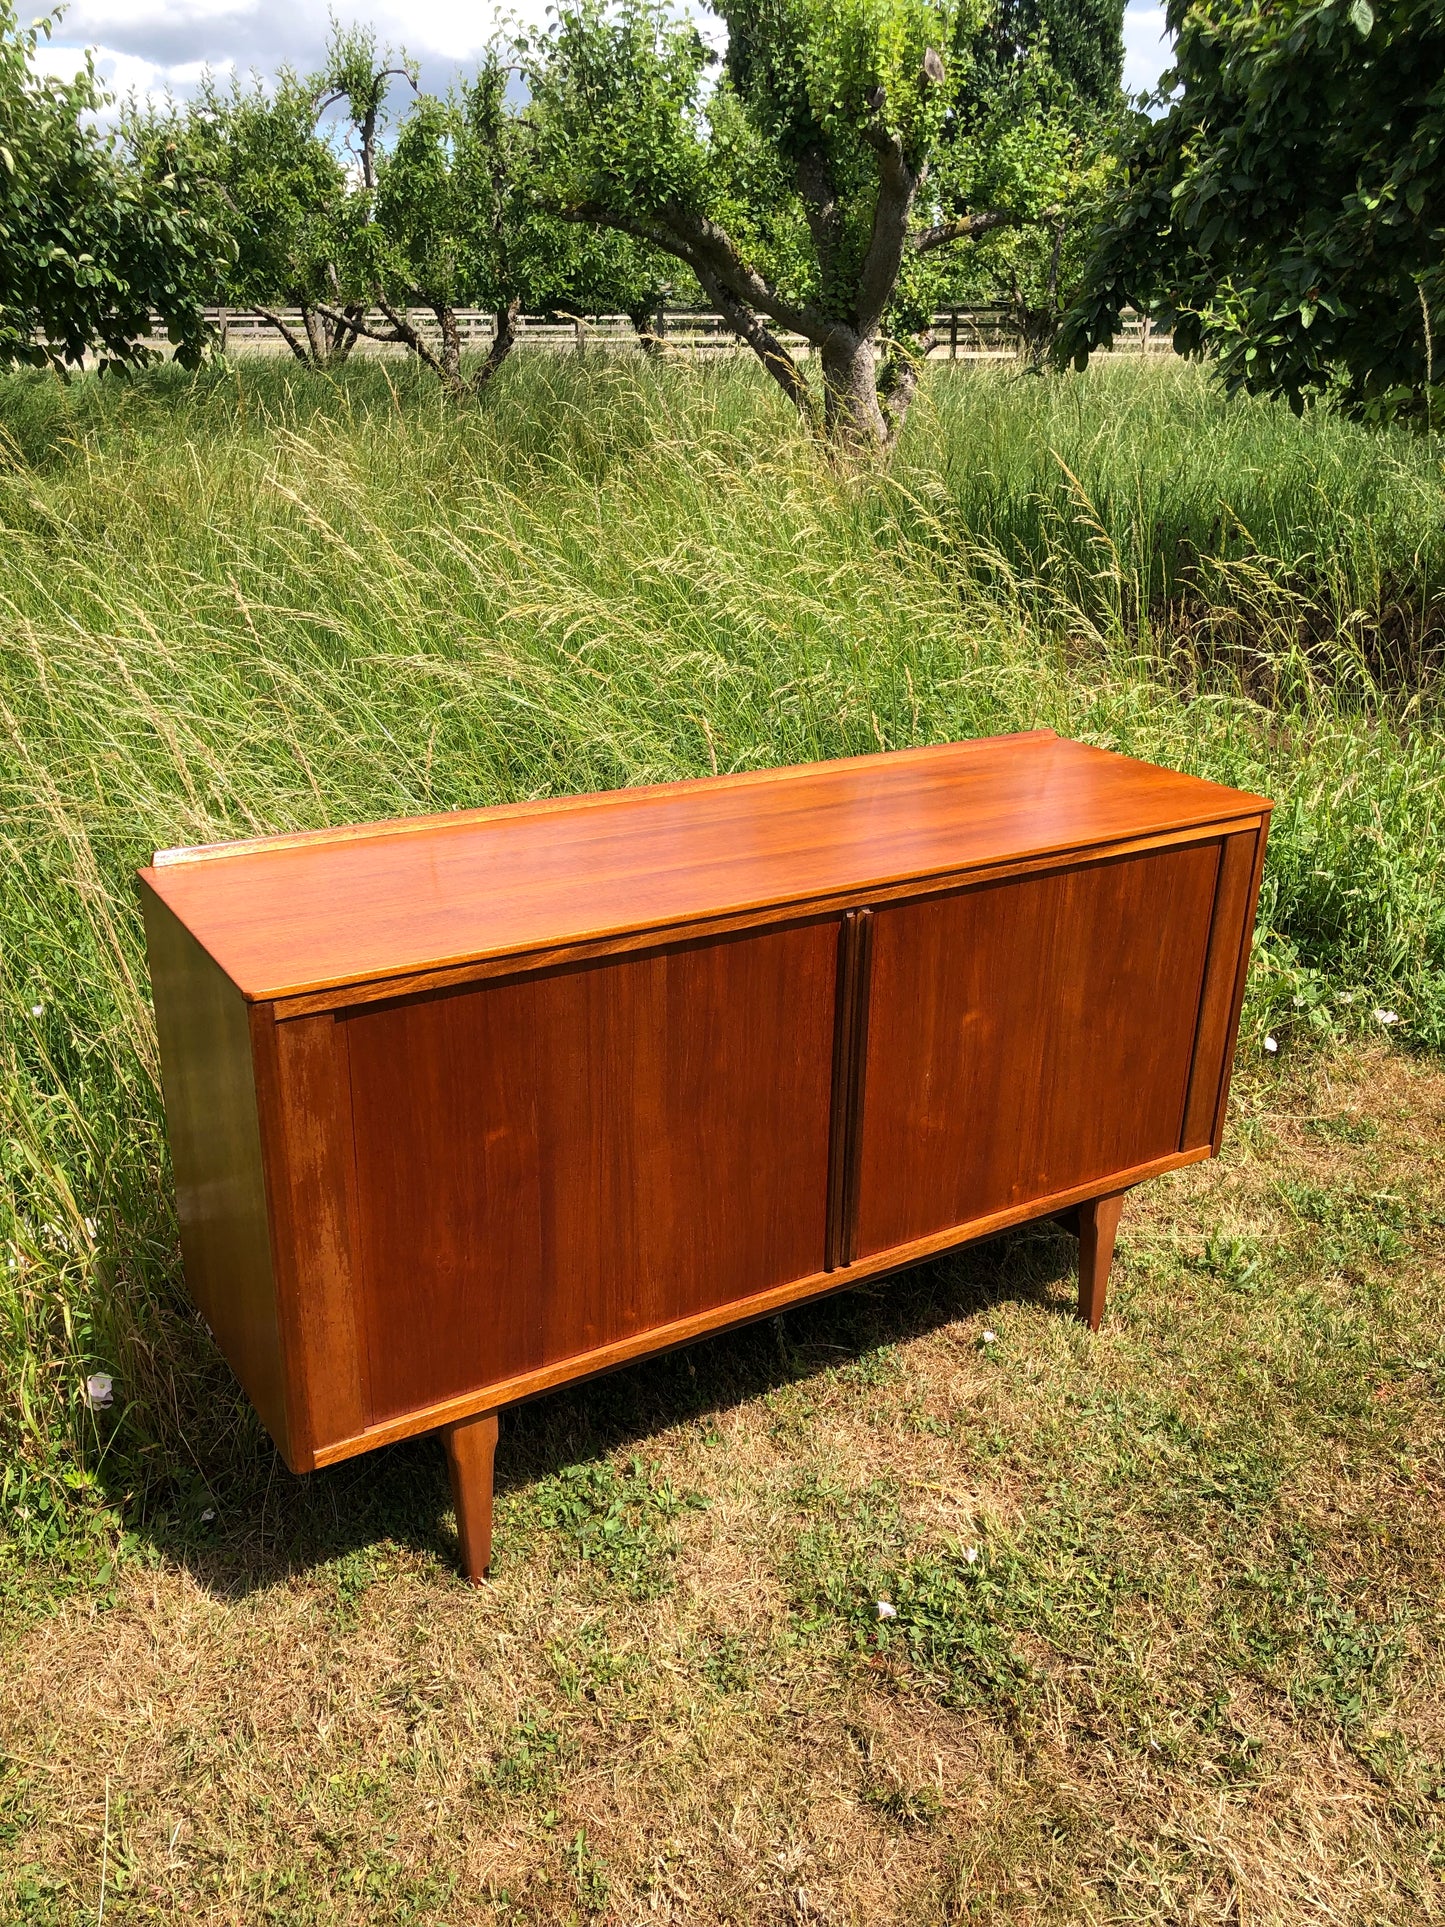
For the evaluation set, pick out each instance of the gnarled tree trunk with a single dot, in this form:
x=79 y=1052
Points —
x=852 y=415
x=862 y=407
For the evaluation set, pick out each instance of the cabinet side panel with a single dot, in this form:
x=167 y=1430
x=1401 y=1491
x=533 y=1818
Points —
x=554 y=1164
x=1029 y=1037
x=1246 y=944
x=304 y=1088
x=1218 y=1005
x=215 y=1138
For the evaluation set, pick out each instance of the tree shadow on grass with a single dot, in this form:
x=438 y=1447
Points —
x=281 y=1526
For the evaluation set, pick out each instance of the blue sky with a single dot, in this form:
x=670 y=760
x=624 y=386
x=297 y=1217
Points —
x=155 y=45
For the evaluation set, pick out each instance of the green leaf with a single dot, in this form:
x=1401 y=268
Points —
x=1362 y=17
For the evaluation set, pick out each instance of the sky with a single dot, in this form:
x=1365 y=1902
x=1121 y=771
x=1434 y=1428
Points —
x=1146 y=48
x=155 y=46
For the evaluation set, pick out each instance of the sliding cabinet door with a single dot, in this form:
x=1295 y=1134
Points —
x=1028 y=1036
x=554 y=1162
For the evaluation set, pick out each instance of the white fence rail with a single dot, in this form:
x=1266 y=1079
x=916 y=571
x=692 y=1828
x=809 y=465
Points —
x=959 y=334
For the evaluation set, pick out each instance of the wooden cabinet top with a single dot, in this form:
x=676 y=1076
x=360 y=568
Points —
x=288 y=915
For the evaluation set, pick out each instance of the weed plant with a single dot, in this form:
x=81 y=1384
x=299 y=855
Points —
x=255 y=600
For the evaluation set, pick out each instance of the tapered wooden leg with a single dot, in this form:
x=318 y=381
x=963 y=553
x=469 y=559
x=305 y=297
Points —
x=1098 y=1225
x=471 y=1446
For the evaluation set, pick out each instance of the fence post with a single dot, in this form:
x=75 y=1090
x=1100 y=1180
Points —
x=953 y=335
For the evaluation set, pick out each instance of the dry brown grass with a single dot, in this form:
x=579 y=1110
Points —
x=1212 y=1533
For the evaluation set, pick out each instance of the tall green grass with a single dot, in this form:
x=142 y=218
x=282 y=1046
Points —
x=255 y=600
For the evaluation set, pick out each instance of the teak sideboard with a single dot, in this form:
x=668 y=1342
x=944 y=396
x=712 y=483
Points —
x=463 y=1107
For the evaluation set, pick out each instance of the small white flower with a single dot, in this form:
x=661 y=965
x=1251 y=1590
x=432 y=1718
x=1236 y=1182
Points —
x=37 y=1010
x=208 y=1515
x=1347 y=996
x=886 y=1610
x=971 y=1555
x=1386 y=1017
x=99 y=1391
x=1271 y=1044
x=990 y=1338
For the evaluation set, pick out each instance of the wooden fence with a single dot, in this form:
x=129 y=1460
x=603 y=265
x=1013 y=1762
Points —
x=959 y=334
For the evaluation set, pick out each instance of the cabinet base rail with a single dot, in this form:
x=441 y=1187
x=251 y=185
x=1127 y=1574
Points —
x=471 y=1443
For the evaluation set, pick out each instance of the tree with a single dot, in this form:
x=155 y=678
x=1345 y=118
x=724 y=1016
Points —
x=455 y=221
x=274 y=188
x=92 y=239
x=1033 y=272
x=845 y=145
x=267 y=177
x=1085 y=40
x=1285 y=214
x=435 y=230
x=357 y=76
x=1036 y=268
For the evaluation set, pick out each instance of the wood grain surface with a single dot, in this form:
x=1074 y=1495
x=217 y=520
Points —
x=550 y=1164
x=298 y=914
x=1230 y=930
x=1027 y=1037
x=740 y=1311
x=214 y=1130
x=303 y=1088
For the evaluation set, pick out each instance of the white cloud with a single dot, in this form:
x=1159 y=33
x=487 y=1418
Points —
x=1147 y=49
x=123 y=74
x=153 y=44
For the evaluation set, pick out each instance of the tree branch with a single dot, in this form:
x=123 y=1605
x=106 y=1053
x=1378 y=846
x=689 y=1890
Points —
x=695 y=239
x=401 y=331
x=897 y=185
x=412 y=337
x=965 y=229
x=819 y=194
x=899 y=382
x=716 y=246
x=749 y=328
x=360 y=325
x=287 y=334
x=713 y=259
x=345 y=339
x=503 y=338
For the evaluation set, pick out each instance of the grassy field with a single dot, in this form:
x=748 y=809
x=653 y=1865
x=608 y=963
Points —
x=1192 y=1669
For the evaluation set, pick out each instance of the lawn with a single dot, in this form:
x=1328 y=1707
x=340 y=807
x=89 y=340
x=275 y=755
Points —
x=1167 y=1642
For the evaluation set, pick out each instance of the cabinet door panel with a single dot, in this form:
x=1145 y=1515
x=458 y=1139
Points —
x=1028 y=1036
x=550 y=1163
